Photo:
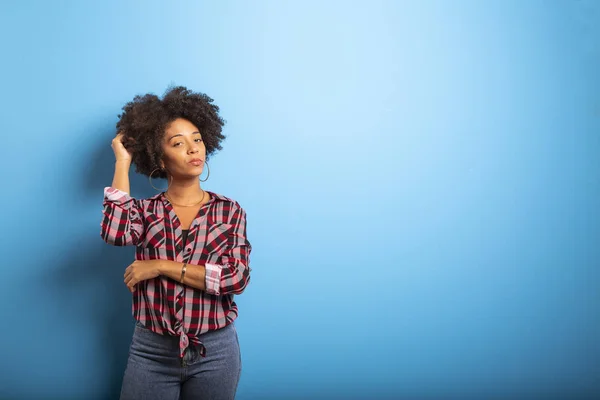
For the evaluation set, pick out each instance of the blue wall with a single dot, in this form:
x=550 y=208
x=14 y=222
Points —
x=421 y=179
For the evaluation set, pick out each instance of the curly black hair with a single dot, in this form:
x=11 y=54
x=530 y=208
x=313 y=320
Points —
x=144 y=121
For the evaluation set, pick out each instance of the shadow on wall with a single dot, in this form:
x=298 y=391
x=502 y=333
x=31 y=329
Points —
x=89 y=283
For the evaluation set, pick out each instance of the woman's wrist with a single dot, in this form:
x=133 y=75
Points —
x=167 y=267
x=194 y=276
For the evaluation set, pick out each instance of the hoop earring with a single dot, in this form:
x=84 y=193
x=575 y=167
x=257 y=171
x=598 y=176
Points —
x=208 y=168
x=150 y=179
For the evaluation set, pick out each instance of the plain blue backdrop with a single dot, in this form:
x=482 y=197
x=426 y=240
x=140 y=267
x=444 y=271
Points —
x=422 y=183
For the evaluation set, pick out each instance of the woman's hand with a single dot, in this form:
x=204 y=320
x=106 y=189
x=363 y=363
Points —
x=141 y=271
x=121 y=153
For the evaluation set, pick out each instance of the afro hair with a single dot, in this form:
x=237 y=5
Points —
x=145 y=119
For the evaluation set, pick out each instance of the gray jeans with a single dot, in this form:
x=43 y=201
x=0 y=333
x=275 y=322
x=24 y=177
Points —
x=155 y=370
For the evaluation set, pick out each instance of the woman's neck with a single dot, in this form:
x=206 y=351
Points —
x=185 y=191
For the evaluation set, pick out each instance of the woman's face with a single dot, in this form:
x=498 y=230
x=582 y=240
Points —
x=184 y=150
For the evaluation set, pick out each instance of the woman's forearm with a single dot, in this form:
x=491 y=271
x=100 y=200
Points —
x=195 y=275
x=121 y=177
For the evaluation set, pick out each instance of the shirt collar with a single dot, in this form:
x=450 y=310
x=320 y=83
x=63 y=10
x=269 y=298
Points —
x=213 y=195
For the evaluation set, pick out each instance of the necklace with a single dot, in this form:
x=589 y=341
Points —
x=184 y=205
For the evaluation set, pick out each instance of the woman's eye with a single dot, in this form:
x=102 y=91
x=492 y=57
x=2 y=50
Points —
x=177 y=144
x=198 y=140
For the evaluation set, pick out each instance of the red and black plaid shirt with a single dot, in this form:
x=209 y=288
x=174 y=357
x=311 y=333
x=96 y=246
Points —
x=216 y=239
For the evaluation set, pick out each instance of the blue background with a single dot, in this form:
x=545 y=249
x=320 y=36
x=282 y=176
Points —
x=421 y=179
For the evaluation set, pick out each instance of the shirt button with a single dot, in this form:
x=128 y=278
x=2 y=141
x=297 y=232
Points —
x=188 y=249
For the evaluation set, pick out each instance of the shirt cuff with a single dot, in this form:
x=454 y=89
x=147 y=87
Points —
x=213 y=278
x=116 y=195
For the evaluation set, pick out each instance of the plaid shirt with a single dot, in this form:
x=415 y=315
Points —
x=216 y=239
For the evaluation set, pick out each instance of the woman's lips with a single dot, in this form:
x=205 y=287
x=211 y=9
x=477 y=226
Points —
x=197 y=163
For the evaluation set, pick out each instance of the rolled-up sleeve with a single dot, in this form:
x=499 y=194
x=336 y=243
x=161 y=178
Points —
x=122 y=222
x=232 y=273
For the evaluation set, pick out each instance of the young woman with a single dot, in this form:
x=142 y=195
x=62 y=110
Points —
x=191 y=250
